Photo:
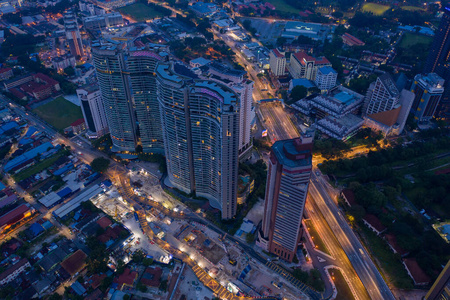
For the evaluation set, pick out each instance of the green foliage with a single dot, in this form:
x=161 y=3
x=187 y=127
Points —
x=107 y=281
x=69 y=71
x=100 y=164
x=298 y=92
x=163 y=286
x=361 y=84
x=313 y=278
x=138 y=257
x=155 y=158
x=248 y=26
x=141 y=287
x=249 y=238
x=5 y=150
x=330 y=148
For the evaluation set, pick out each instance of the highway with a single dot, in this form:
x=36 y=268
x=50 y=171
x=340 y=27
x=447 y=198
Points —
x=334 y=230
x=356 y=253
x=340 y=258
x=277 y=122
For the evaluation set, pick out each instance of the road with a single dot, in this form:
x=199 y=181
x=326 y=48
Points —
x=354 y=250
x=277 y=122
x=340 y=258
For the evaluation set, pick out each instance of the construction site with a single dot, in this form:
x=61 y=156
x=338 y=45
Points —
x=196 y=239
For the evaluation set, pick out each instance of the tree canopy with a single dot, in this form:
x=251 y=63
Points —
x=100 y=164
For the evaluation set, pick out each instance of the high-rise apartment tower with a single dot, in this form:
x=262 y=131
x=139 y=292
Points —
x=127 y=81
x=438 y=61
x=290 y=166
x=200 y=123
x=73 y=35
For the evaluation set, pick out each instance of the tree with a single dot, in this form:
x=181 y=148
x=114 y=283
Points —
x=100 y=164
x=298 y=92
x=141 y=287
x=163 y=286
x=69 y=71
x=281 y=41
x=357 y=211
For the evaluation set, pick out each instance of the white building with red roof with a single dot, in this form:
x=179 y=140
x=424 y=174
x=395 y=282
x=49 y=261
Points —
x=303 y=65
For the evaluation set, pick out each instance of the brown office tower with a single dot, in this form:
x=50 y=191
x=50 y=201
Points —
x=441 y=287
x=287 y=184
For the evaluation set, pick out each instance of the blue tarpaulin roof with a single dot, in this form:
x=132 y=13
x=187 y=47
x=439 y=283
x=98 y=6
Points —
x=27 y=155
x=78 y=288
x=25 y=141
x=36 y=229
x=107 y=183
x=8 y=126
x=31 y=130
x=47 y=225
x=63 y=169
x=64 y=192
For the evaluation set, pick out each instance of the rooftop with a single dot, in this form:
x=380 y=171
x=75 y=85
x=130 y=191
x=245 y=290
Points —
x=74 y=263
x=283 y=149
x=13 y=268
x=388 y=118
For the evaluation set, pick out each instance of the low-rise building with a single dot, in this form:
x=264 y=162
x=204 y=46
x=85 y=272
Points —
x=340 y=128
x=12 y=272
x=6 y=73
x=65 y=61
x=374 y=224
x=416 y=273
x=103 y=21
x=338 y=102
x=351 y=41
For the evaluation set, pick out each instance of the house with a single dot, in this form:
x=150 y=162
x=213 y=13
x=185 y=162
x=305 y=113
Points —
x=152 y=277
x=78 y=126
x=351 y=41
x=349 y=197
x=391 y=240
x=104 y=222
x=374 y=223
x=74 y=263
x=6 y=73
x=127 y=278
x=415 y=272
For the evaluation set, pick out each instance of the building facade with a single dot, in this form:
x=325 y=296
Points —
x=103 y=21
x=304 y=66
x=244 y=88
x=65 y=61
x=326 y=78
x=277 y=62
x=200 y=123
x=73 y=35
x=437 y=61
x=288 y=176
x=382 y=95
x=141 y=67
x=428 y=90
x=114 y=84
x=93 y=110
x=441 y=287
